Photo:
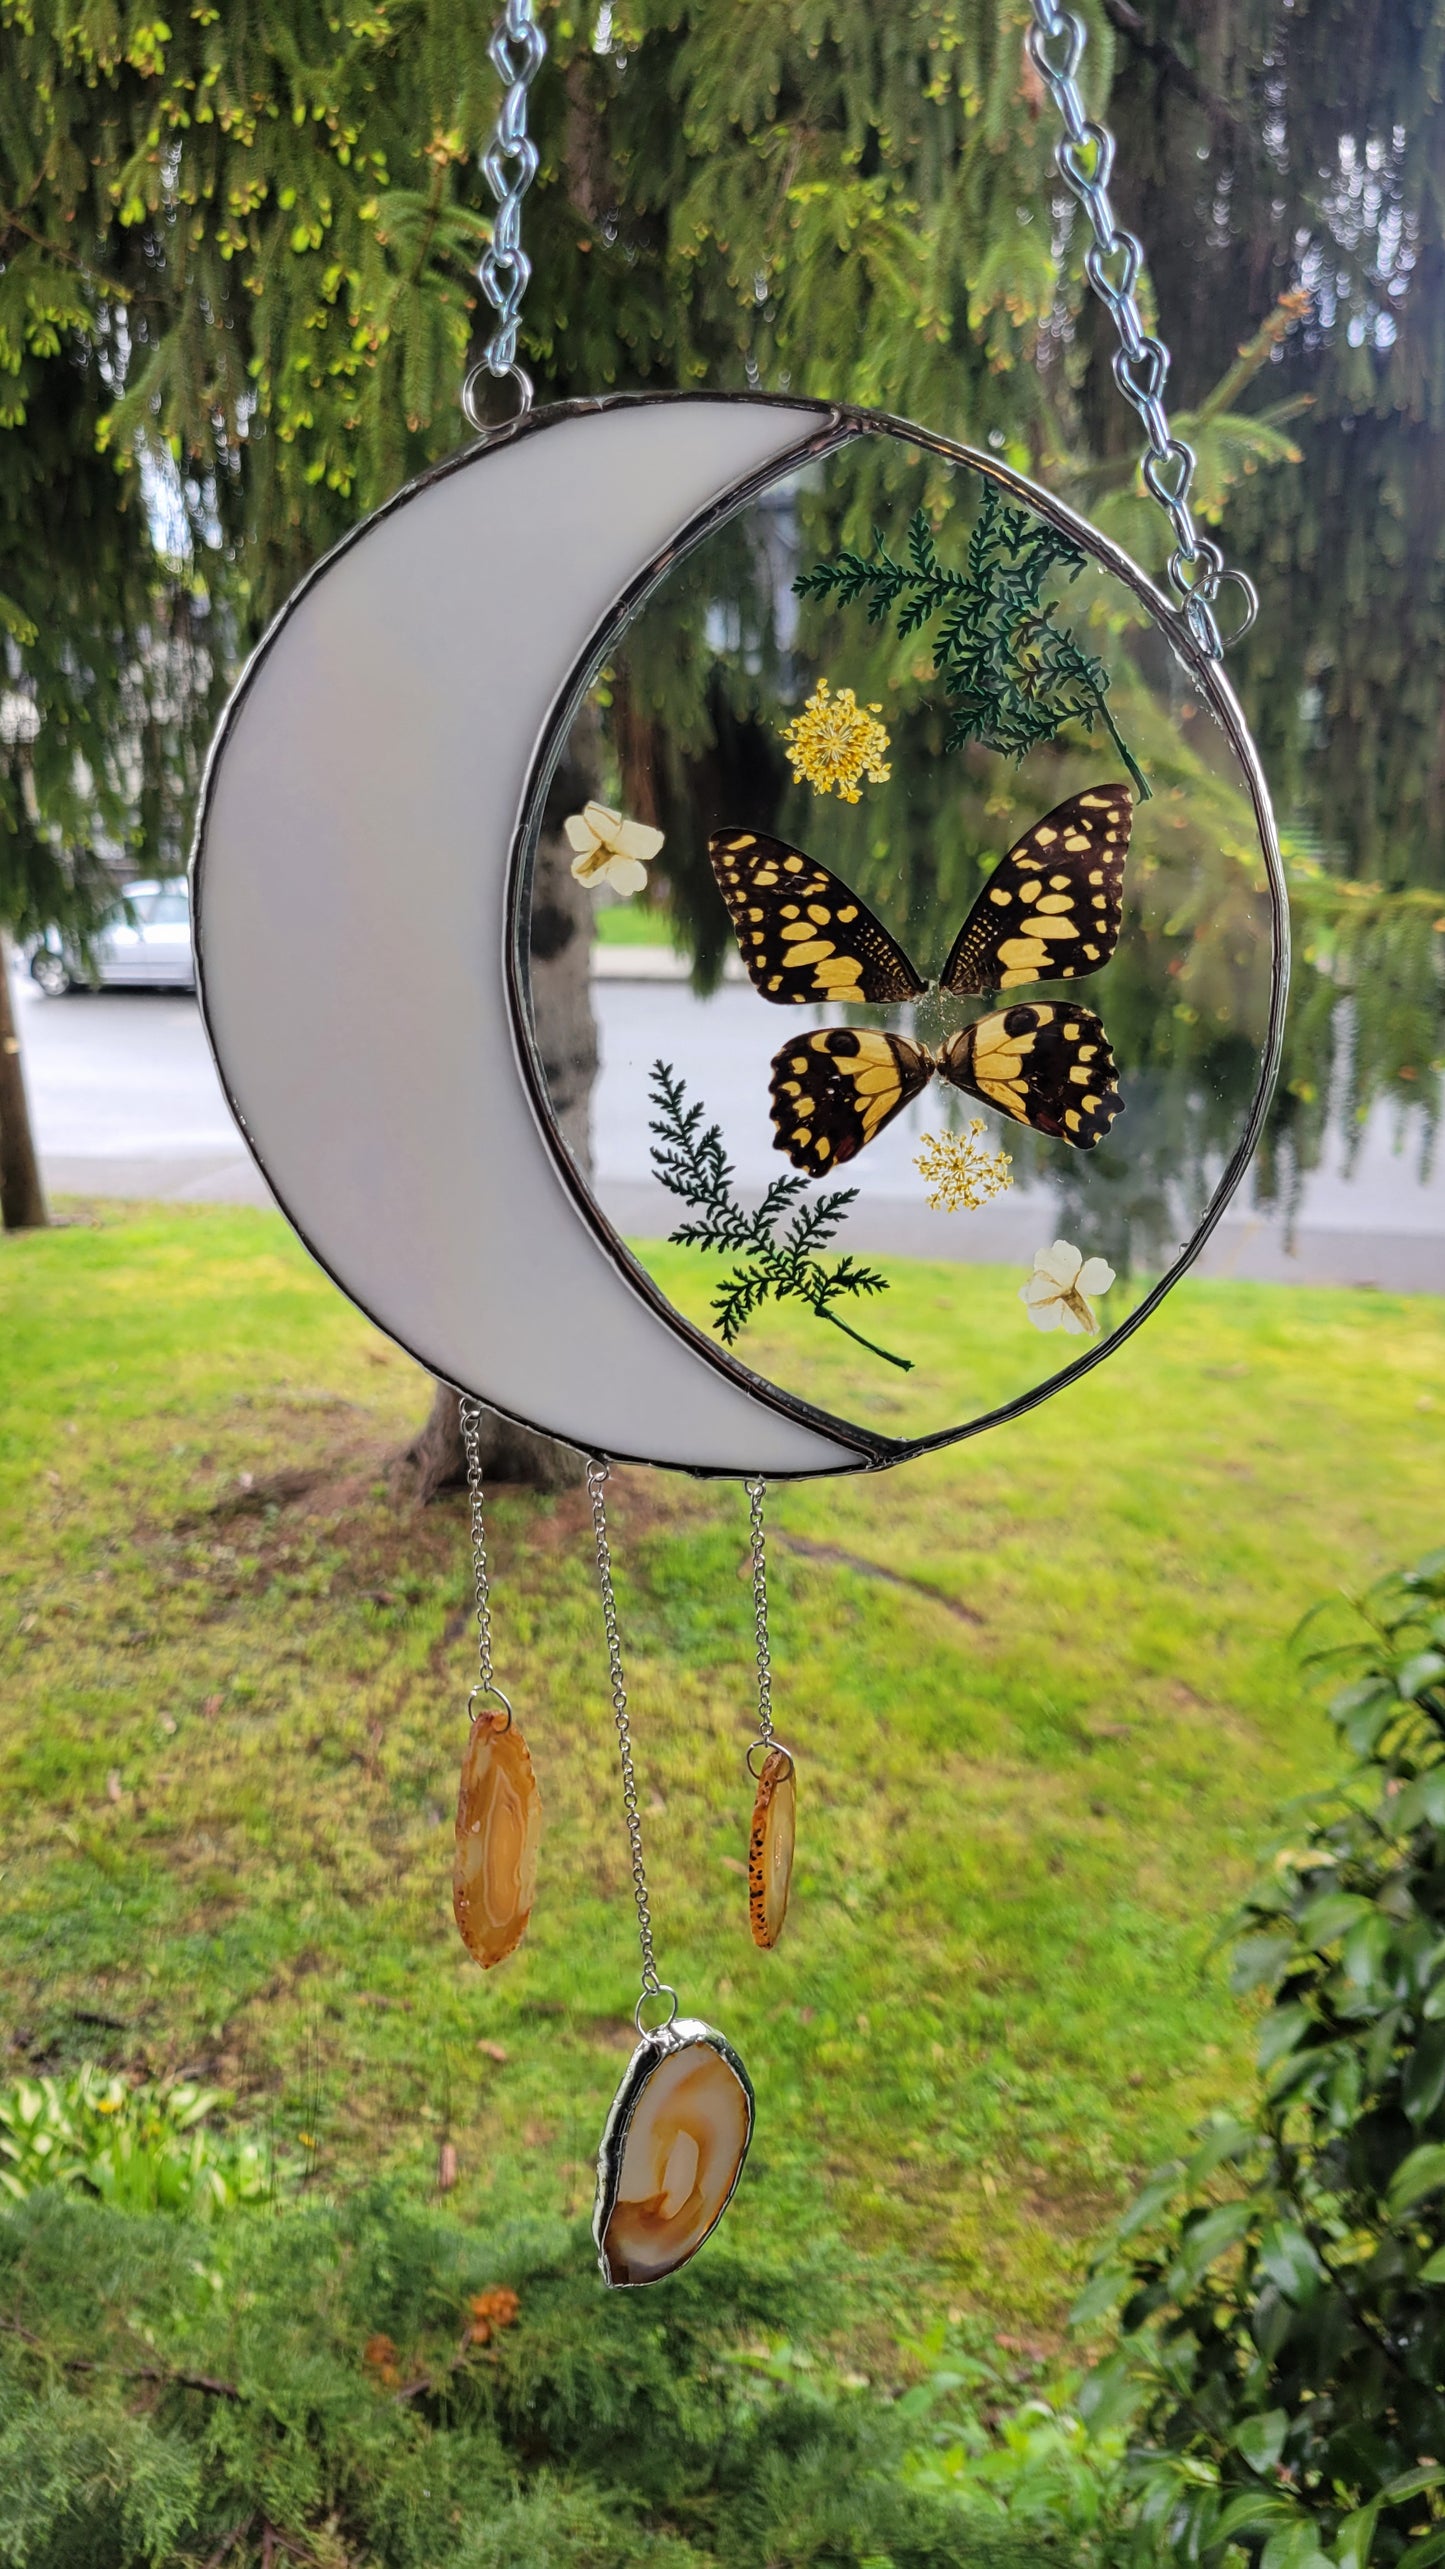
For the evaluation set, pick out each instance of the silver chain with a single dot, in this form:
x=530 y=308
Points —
x=469 y=1413
x=597 y=1472
x=757 y=1491
x=518 y=50
x=1085 y=160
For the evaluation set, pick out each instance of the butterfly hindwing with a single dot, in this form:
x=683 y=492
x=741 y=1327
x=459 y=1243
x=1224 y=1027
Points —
x=1050 y=911
x=1043 y=1062
x=834 y=1090
x=802 y=934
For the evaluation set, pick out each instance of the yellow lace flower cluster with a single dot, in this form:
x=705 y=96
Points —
x=959 y=1173
x=836 y=741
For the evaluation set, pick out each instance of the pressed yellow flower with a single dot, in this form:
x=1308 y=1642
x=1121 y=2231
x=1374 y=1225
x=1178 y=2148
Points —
x=959 y=1173
x=837 y=741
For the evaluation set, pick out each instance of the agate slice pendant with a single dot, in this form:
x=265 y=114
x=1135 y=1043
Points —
x=499 y=1823
x=672 y=2152
x=770 y=1847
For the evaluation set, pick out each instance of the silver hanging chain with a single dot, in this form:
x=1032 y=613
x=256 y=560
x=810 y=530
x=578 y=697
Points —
x=597 y=1473
x=470 y=1414
x=518 y=50
x=1085 y=160
x=767 y=1738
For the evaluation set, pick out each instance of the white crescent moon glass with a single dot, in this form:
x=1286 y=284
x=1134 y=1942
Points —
x=928 y=879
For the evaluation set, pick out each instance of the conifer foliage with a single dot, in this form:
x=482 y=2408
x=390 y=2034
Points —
x=333 y=2387
x=237 y=302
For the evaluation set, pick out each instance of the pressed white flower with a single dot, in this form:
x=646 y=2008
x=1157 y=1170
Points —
x=609 y=849
x=1057 y=1293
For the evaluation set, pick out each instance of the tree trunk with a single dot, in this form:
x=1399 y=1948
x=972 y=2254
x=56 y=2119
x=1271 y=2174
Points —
x=509 y=1453
x=22 y=1197
x=561 y=952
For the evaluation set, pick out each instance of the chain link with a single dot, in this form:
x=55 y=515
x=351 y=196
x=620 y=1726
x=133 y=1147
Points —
x=597 y=1472
x=469 y=1413
x=1085 y=160
x=517 y=50
x=757 y=1491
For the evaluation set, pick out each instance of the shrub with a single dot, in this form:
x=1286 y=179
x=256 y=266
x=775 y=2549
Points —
x=142 y=2149
x=1283 y=2290
x=362 y=2383
x=1029 y=2464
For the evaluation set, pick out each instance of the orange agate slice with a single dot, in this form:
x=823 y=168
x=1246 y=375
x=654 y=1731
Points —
x=499 y=1824
x=672 y=2153
x=770 y=1847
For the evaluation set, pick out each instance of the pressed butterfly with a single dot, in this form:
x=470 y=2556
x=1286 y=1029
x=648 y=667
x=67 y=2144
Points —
x=1050 y=911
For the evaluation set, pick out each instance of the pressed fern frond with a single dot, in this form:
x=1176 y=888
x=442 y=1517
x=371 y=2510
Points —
x=1014 y=675
x=774 y=1244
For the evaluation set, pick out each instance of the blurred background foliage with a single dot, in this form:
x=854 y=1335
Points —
x=237 y=302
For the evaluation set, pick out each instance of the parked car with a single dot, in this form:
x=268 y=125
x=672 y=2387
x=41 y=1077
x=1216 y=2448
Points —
x=145 y=939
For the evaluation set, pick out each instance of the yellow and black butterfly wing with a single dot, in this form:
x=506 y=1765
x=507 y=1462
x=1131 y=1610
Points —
x=834 y=1090
x=802 y=933
x=1042 y=1062
x=1050 y=911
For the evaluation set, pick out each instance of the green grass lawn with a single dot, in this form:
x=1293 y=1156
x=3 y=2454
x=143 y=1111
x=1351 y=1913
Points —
x=631 y=923
x=1039 y=1688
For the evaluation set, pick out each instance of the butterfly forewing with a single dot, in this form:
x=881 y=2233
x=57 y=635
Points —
x=1045 y=1064
x=834 y=1090
x=802 y=934
x=1050 y=910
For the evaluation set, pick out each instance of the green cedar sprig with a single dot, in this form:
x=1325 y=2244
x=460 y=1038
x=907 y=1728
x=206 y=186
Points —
x=1014 y=675
x=776 y=1263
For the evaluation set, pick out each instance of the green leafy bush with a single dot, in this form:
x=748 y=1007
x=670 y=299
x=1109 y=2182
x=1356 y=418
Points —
x=1283 y=2290
x=366 y=2385
x=1031 y=2464
x=142 y=2149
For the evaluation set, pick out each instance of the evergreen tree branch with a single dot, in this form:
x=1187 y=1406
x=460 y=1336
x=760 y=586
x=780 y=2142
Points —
x=1122 y=15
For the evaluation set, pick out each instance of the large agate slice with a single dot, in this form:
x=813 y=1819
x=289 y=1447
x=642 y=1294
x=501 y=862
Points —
x=770 y=1847
x=499 y=1823
x=672 y=2152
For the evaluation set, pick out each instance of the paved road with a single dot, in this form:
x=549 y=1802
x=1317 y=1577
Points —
x=126 y=1102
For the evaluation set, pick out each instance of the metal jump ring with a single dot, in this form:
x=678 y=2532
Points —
x=501 y=1698
x=1039 y=40
x=664 y=1989
x=1243 y=582
x=473 y=417
x=767 y=1746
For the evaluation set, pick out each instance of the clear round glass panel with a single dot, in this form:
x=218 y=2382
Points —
x=893 y=665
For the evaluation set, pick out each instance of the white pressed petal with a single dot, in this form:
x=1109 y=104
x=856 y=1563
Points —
x=1094 y=1276
x=1046 y=1263
x=637 y=839
x=592 y=867
x=1046 y=1315
x=625 y=875
x=1062 y=1260
x=579 y=833
x=601 y=820
x=1040 y=1289
x=1077 y=1318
